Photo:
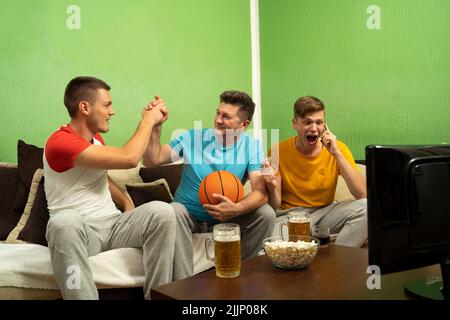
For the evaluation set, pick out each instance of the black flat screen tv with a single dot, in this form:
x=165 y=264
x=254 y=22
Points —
x=408 y=200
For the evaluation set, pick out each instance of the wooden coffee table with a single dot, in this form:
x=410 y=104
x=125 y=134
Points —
x=336 y=273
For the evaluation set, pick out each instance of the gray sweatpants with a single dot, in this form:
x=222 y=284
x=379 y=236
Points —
x=255 y=227
x=166 y=241
x=347 y=219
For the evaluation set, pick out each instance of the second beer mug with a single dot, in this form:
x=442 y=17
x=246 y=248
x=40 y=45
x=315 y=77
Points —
x=298 y=225
x=227 y=250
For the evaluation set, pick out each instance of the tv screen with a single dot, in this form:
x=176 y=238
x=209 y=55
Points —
x=408 y=198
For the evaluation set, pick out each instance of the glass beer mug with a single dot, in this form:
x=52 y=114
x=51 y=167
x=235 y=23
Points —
x=299 y=224
x=227 y=250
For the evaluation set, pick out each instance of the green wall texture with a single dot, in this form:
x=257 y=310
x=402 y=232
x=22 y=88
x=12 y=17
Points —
x=383 y=86
x=389 y=85
x=186 y=51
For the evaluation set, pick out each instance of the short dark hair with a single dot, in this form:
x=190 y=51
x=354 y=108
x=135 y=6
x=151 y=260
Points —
x=241 y=100
x=82 y=88
x=307 y=104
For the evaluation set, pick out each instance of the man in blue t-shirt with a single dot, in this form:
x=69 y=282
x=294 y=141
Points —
x=226 y=147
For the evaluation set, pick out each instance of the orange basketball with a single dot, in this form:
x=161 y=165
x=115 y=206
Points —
x=220 y=182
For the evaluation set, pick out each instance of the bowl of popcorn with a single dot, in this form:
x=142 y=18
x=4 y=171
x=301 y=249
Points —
x=293 y=252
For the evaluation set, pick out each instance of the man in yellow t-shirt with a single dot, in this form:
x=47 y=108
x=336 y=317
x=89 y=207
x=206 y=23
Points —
x=306 y=169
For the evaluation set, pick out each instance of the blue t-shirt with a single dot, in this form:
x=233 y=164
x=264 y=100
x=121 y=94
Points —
x=204 y=153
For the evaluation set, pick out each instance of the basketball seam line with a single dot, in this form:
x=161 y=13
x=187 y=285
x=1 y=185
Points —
x=221 y=183
x=237 y=185
x=204 y=188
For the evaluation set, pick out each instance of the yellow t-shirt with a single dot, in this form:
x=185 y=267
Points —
x=307 y=182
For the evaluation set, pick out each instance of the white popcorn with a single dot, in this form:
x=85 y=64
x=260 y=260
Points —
x=290 y=254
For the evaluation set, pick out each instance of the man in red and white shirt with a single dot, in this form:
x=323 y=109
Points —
x=83 y=217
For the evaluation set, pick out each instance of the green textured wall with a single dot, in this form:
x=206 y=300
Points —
x=386 y=86
x=186 y=51
x=379 y=86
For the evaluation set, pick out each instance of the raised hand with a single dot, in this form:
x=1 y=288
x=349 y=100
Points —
x=268 y=174
x=159 y=102
x=154 y=110
x=165 y=113
x=329 y=141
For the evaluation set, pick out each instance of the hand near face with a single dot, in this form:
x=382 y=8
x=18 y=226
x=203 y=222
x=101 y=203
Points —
x=329 y=141
x=223 y=211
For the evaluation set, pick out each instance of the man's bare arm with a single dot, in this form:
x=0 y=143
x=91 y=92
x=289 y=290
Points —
x=155 y=154
x=119 y=197
x=106 y=157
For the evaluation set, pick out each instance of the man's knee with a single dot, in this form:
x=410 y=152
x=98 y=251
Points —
x=64 y=224
x=353 y=207
x=266 y=214
x=361 y=202
x=156 y=212
x=66 y=220
x=360 y=207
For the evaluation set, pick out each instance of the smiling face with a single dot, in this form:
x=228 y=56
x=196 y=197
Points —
x=100 y=111
x=309 y=128
x=228 y=120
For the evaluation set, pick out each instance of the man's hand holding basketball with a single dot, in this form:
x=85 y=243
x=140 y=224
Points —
x=223 y=211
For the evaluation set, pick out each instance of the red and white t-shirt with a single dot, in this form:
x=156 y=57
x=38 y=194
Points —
x=74 y=188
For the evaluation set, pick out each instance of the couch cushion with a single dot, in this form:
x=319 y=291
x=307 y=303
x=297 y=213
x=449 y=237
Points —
x=36 y=226
x=29 y=265
x=121 y=177
x=171 y=172
x=342 y=192
x=145 y=192
x=33 y=222
x=29 y=160
x=8 y=188
x=141 y=193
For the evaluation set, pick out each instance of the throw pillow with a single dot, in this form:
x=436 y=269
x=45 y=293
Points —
x=12 y=237
x=170 y=172
x=145 y=192
x=29 y=160
x=36 y=226
x=124 y=176
x=8 y=189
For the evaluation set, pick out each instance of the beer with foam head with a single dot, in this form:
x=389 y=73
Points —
x=299 y=224
x=227 y=250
